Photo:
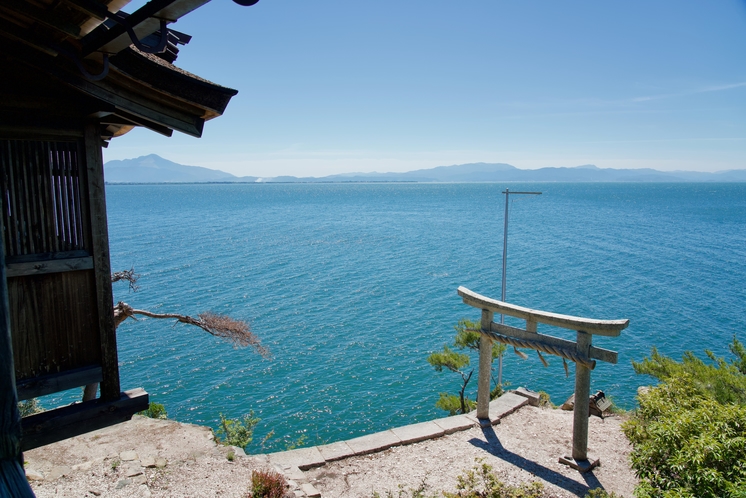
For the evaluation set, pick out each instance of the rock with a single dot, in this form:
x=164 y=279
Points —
x=58 y=472
x=123 y=483
x=144 y=491
x=34 y=475
x=569 y=405
x=238 y=451
x=140 y=480
x=160 y=462
x=533 y=397
x=95 y=492
x=132 y=471
x=128 y=456
x=148 y=462
x=643 y=390
x=85 y=466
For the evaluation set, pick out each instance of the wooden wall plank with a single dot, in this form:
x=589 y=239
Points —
x=94 y=170
x=52 y=266
x=73 y=420
x=48 y=384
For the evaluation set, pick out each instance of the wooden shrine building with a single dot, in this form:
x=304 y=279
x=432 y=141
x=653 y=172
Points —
x=75 y=74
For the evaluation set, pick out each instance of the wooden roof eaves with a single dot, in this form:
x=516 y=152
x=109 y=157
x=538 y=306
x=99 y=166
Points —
x=179 y=84
x=144 y=21
x=161 y=110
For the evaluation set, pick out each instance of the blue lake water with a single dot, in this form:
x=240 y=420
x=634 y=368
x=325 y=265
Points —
x=351 y=286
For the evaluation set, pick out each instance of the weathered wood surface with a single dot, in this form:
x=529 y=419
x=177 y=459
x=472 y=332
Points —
x=96 y=203
x=485 y=369
x=12 y=478
x=51 y=266
x=48 y=384
x=73 y=420
x=611 y=328
x=582 y=393
x=55 y=323
x=595 y=353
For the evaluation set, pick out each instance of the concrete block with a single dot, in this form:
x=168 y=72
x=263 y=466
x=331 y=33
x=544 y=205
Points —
x=303 y=458
x=532 y=396
x=506 y=404
x=456 y=423
x=336 y=451
x=294 y=473
x=418 y=432
x=311 y=492
x=373 y=443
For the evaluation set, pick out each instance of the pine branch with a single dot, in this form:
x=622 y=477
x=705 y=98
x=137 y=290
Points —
x=225 y=327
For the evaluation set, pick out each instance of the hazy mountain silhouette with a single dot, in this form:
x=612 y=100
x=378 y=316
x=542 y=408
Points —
x=155 y=169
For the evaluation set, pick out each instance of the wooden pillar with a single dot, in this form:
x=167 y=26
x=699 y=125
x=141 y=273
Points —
x=582 y=395
x=485 y=368
x=12 y=477
x=110 y=390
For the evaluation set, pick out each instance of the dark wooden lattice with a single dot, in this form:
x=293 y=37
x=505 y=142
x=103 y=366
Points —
x=41 y=197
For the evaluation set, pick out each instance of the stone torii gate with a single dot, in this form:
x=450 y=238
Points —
x=581 y=352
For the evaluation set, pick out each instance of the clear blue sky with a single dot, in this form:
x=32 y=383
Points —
x=332 y=86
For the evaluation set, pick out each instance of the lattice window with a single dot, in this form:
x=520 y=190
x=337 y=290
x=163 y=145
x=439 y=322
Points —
x=42 y=208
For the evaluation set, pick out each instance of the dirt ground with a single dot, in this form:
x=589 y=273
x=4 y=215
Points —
x=162 y=458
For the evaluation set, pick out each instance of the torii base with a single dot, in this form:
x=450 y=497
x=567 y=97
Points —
x=581 y=465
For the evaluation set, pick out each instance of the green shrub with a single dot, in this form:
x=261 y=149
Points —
x=29 y=407
x=155 y=410
x=601 y=493
x=235 y=431
x=268 y=484
x=689 y=432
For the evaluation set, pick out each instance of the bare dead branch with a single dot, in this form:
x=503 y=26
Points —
x=225 y=327
x=128 y=276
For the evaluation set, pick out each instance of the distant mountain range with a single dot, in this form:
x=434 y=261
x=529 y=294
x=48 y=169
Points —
x=155 y=169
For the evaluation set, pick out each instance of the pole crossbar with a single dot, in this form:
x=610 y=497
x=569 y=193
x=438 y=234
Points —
x=539 y=346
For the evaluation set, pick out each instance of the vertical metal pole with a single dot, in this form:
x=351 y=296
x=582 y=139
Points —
x=582 y=394
x=504 y=282
x=485 y=368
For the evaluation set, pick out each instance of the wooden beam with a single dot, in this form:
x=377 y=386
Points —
x=12 y=478
x=42 y=16
x=25 y=36
x=117 y=90
x=54 y=383
x=96 y=200
x=52 y=266
x=610 y=328
x=139 y=121
x=144 y=21
x=80 y=418
x=595 y=353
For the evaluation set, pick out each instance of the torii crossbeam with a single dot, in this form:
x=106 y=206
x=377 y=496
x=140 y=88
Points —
x=581 y=352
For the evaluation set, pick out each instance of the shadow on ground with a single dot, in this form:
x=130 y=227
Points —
x=493 y=446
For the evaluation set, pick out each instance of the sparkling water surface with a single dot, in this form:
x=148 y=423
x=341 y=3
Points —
x=351 y=286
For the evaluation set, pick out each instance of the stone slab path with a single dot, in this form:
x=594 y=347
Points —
x=163 y=458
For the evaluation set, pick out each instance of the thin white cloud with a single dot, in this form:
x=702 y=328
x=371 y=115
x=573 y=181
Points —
x=696 y=91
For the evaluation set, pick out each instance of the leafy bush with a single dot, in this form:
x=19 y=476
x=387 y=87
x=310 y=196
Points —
x=155 y=410
x=268 y=484
x=235 y=431
x=467 y=338
x=689 y=432
x=601 y=493
x=29 y=407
